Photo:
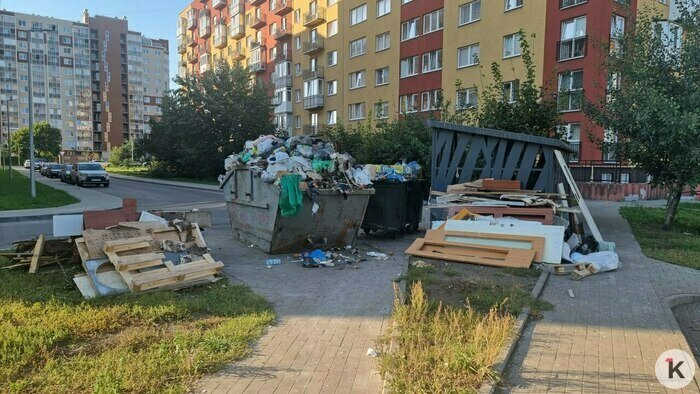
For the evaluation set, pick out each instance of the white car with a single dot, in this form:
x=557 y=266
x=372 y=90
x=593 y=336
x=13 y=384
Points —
x=27 y=164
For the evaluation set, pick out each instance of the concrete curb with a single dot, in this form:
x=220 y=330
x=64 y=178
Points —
x=186 y=185
x=507 y=351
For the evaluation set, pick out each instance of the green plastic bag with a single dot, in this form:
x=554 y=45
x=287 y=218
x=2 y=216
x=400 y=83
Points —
x=323 y=165
x=291 y=199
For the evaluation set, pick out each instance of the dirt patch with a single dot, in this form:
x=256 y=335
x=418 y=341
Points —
x=688 y=317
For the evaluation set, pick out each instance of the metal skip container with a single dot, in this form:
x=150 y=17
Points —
x=253 y=209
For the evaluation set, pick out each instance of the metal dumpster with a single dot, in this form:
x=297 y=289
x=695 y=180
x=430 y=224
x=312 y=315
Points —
x=395 y=206
x=253 y=209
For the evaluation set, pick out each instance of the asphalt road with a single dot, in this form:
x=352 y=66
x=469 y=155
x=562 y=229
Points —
x=148 y=195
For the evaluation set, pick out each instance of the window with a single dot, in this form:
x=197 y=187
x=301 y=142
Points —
x=409 y=29
x=609 y=146
x=383 y=7
x=297 y=122
x=409 y=103
x=382 y=42
x=625 y=177
x=297 y=95
x=381 y=76
x=409 y=67
x=22 y=56
x=572 y=133
x=573 y=39
x=356 y=111
x=297 y=16
x=381 y=110
x=332 y=58
x=358 y=14
x=573 y=28
x=510 y=91
x=470 y=12
x=332 y=87
x=358 y=47
x=357 y=79
x=433 y=21
x=606 y=177
x=570 y=90
x=332 y=117
x=332 y=28
x=511 y=45
x=513 y=4
x=571 y=3
x=430 y=100
x=617 y=32
x=468 y=56
x=297 y=69
x=432 y=61
x=467 y=98
x=297 y=42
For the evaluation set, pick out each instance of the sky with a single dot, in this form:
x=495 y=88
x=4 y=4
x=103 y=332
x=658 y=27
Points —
x=153 y=18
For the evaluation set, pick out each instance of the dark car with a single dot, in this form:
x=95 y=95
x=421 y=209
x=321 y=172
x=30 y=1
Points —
x=54 y=170
x=89 y=174
x=45 y=168
x=65 y=173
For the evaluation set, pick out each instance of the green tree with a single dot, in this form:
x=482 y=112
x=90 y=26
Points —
x=206 y=119
x=655 y=111
x=533 y=110
x=47 y=141
x=122 y=156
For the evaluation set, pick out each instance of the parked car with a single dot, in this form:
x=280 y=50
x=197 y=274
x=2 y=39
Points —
x=54 y=170
x=89 y=174
x=65 y=173
x=27 y=164
x=45 y=168
x=103 y=163
x=38 y=163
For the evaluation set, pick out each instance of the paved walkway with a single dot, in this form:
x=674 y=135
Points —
x=327 y=319
x=190 y=185
x=609 y=336
x=90 y=200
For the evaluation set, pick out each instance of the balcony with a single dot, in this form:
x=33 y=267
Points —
x=257 y=20
x=572 y=49
x=237 y=31
x=191 y=42
x=313 y=102
x=237 y=54
x=255 y=3
x=204 y=63
x=256 y=67
x=281 y=33
x=182 y=47
x=220 y=39
x=315 y=17
x=313 y=46
x=219 y=4
x=312 y=129
x=284 y=81
x=283 y=7
x=316 y=73
x=237 y=7
x=192 y=57
x=191 y=19
x=205 y=30
x=282 y=107
x=281 y=56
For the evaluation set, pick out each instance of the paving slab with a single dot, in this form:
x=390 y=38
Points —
x=608 y=337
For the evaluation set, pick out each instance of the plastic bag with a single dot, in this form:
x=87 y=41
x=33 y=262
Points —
x=361 y=177
x=323 y=165
x=602 y=261
x=305 y=150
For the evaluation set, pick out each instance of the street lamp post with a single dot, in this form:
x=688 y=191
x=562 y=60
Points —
x=31 y=110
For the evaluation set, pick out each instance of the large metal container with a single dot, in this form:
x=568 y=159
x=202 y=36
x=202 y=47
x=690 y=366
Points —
x=253 y=209
x=395 y=206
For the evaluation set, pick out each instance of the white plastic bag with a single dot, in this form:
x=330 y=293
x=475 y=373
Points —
x=602 y=261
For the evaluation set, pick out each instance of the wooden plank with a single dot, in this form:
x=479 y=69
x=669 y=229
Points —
x=38 y=251
x=129 y=247
x=82 y=249
x=579 y=198
x=542 y=215
x=180 y=273
x=140 y=258
x=501 y=184
x=110 y=245
x=474 y=254
x=502 y=240
x=178 y=281
x=198 y=237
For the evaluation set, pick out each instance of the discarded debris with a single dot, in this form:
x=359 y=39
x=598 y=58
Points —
x=378 y=256
x=372 y=353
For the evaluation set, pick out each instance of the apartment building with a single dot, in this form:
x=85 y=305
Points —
x=80 y=79
x=345 y=61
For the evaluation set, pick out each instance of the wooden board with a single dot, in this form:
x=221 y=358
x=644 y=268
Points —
x=542 y=215
x=501 y=240
x=579 y=198
x=500 y=184
x=474 y=254
x=111 y=245
x=138 y=261
x=38 y=251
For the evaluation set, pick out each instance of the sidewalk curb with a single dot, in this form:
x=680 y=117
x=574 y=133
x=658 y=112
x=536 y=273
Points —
x=185 y=185
x=504 y=356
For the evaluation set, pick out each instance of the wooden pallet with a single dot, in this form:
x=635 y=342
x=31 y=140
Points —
x=565 y=269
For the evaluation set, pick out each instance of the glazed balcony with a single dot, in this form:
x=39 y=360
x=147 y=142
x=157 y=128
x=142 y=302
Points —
x=236 y=7
x=191 y=19
x=283 y=7
x=219 y=4
x=237 y=31
x=220 y=38
x=205 y=30
x=313 y=46
x=315 y=18
x=257 y=20
x=256 y=67
x=182 y=47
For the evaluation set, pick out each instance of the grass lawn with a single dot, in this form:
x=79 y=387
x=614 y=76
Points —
x=449 y=333
x=145 y=172
x=54 y=341
x=679 y=246
x=14 y=194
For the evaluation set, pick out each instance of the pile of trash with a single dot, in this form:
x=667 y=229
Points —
x=314 y=159
x=399 y=172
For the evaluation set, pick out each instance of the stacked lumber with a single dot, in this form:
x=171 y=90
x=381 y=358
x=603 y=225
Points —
x=34 y=254
x=496 y=192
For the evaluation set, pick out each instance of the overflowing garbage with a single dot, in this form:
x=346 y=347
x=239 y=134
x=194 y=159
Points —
x=312 y=158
